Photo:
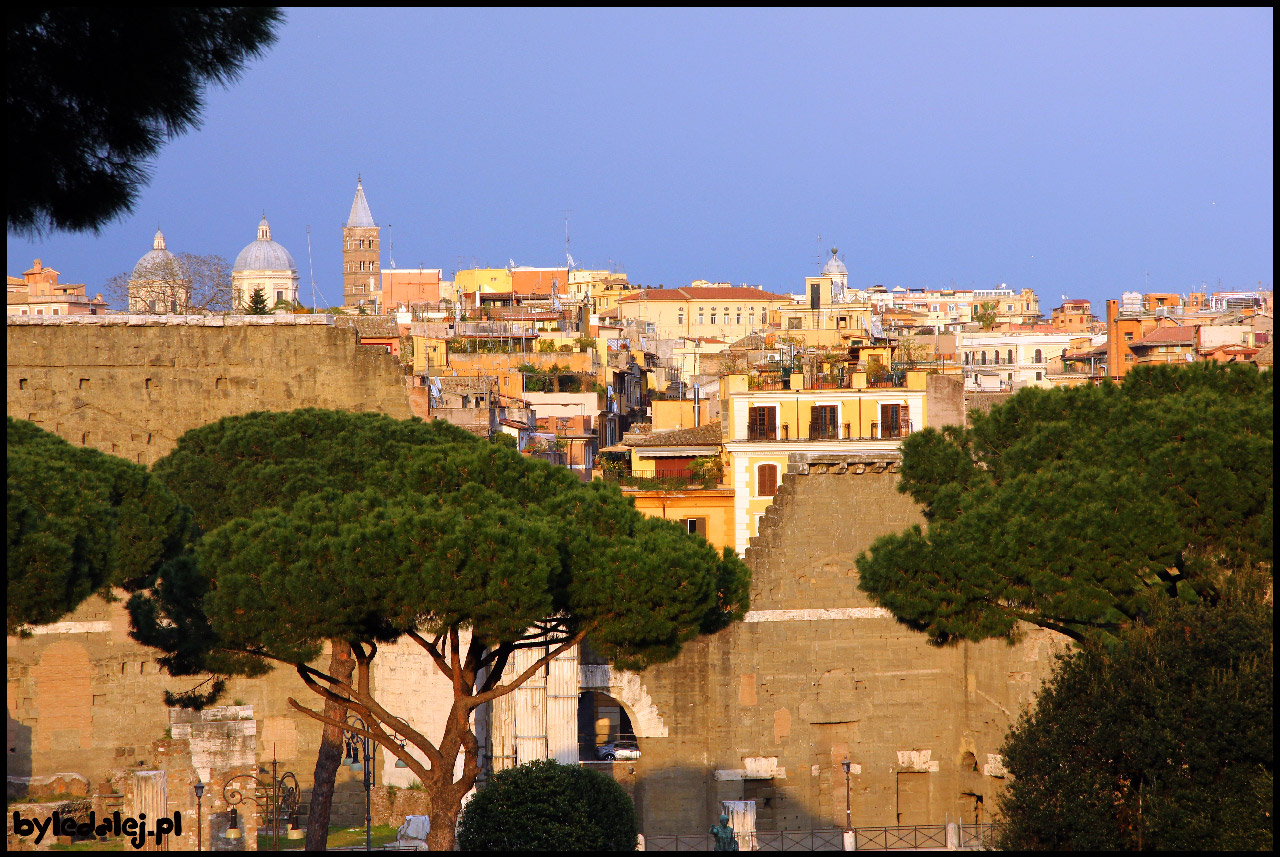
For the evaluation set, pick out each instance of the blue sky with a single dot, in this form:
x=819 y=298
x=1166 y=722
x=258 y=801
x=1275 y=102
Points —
x=1075 y=152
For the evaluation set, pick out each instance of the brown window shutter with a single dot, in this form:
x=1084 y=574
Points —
x=906 y=420
x=767 y=480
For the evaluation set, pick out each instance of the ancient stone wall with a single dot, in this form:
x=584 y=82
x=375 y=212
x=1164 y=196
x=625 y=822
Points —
x=768 y=709
x=132 y=385
x=84 y=698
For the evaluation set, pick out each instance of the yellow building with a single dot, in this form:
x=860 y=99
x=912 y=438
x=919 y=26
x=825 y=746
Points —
x=481 y=281
x=705 y=511
x=670 y=455
x=721 y=311
x=824 y=324
x=763 y=427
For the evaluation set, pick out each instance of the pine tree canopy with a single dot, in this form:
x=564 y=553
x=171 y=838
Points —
x=257 y=303
x=357 y=529
x=1163 y=741
x=93 y=93
x=360 y=527
x=1073 y=508
x=80 y=522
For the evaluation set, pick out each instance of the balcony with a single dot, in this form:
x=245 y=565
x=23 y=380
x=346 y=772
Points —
x=845 y=436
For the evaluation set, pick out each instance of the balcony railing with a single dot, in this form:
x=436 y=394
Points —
x=904 y=429
x=673 y=480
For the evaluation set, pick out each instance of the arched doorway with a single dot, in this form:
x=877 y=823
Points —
x=605 y=731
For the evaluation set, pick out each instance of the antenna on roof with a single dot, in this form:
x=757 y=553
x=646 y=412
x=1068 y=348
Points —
x=312 y=267
x=566 y=237
x=391 y=252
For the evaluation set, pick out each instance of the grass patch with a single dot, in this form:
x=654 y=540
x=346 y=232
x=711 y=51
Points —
x=339 y=837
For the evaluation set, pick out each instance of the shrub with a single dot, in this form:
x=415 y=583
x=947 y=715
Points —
x=546 y=806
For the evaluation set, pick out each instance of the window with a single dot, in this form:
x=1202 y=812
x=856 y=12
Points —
x=1128 y=337
x=1038 y=374
x=700 y=317
x=279 y=295
x=751 y=318
x=1038 y=358
x=1008 y=307
x=696 y=525
x=713 y=316
x=794 y=323
x=738 y=317
x=762 y=423
x=984 y=358
x=822 y=422
x=1010 y=356
x=680 y=317
x=995 y=358
x=766 y=480
x=55 y=310
x=894 y=421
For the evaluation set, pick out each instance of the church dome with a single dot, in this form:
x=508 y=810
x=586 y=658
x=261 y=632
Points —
x=264 y=254
x=834 y=265
x=157 y=261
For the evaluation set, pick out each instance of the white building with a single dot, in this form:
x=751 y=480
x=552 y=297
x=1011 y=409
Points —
x=1017 y=359
x=265 y=265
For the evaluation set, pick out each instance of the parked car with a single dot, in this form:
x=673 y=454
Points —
x=615 y=750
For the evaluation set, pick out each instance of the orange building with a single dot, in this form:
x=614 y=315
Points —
x=529 y=282
x=1123 y=331
x=405 y=286
x=1160 y=300
x=38 y=292
x=1074 y=316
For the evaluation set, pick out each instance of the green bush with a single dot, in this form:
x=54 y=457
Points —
x=546 y=806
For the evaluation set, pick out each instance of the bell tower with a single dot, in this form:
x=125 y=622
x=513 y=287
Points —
x=361 y=269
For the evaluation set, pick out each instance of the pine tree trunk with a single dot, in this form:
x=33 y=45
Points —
x=341 y=666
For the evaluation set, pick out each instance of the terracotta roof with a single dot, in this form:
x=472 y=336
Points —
x=1263 y=357
x=704 y=435
x=706 y=293
x=1170 y=335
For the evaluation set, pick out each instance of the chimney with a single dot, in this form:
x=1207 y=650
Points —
x=1113 y=340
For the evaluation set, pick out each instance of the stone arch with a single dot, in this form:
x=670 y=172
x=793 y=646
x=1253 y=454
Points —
x=630 y=692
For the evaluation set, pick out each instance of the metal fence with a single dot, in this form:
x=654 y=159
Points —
x=899 y=838
x=894 y=838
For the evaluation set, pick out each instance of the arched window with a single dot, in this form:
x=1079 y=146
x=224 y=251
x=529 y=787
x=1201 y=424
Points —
x=1010 y=356
x=995 y=358
x=766 y=480
x=1039 y=356
x=984 y=358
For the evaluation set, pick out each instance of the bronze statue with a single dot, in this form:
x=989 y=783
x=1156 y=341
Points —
x=722 y=833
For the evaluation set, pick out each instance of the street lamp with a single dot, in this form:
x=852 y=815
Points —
x=359 y=757
x=275 y=797
x=199 y=816
x=848 y=823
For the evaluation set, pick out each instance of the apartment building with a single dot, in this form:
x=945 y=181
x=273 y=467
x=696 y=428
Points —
x=719 y=311
x=1009 y=361
x=763 y=427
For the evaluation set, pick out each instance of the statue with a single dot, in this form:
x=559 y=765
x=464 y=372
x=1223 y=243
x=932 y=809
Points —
x=722 y=833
